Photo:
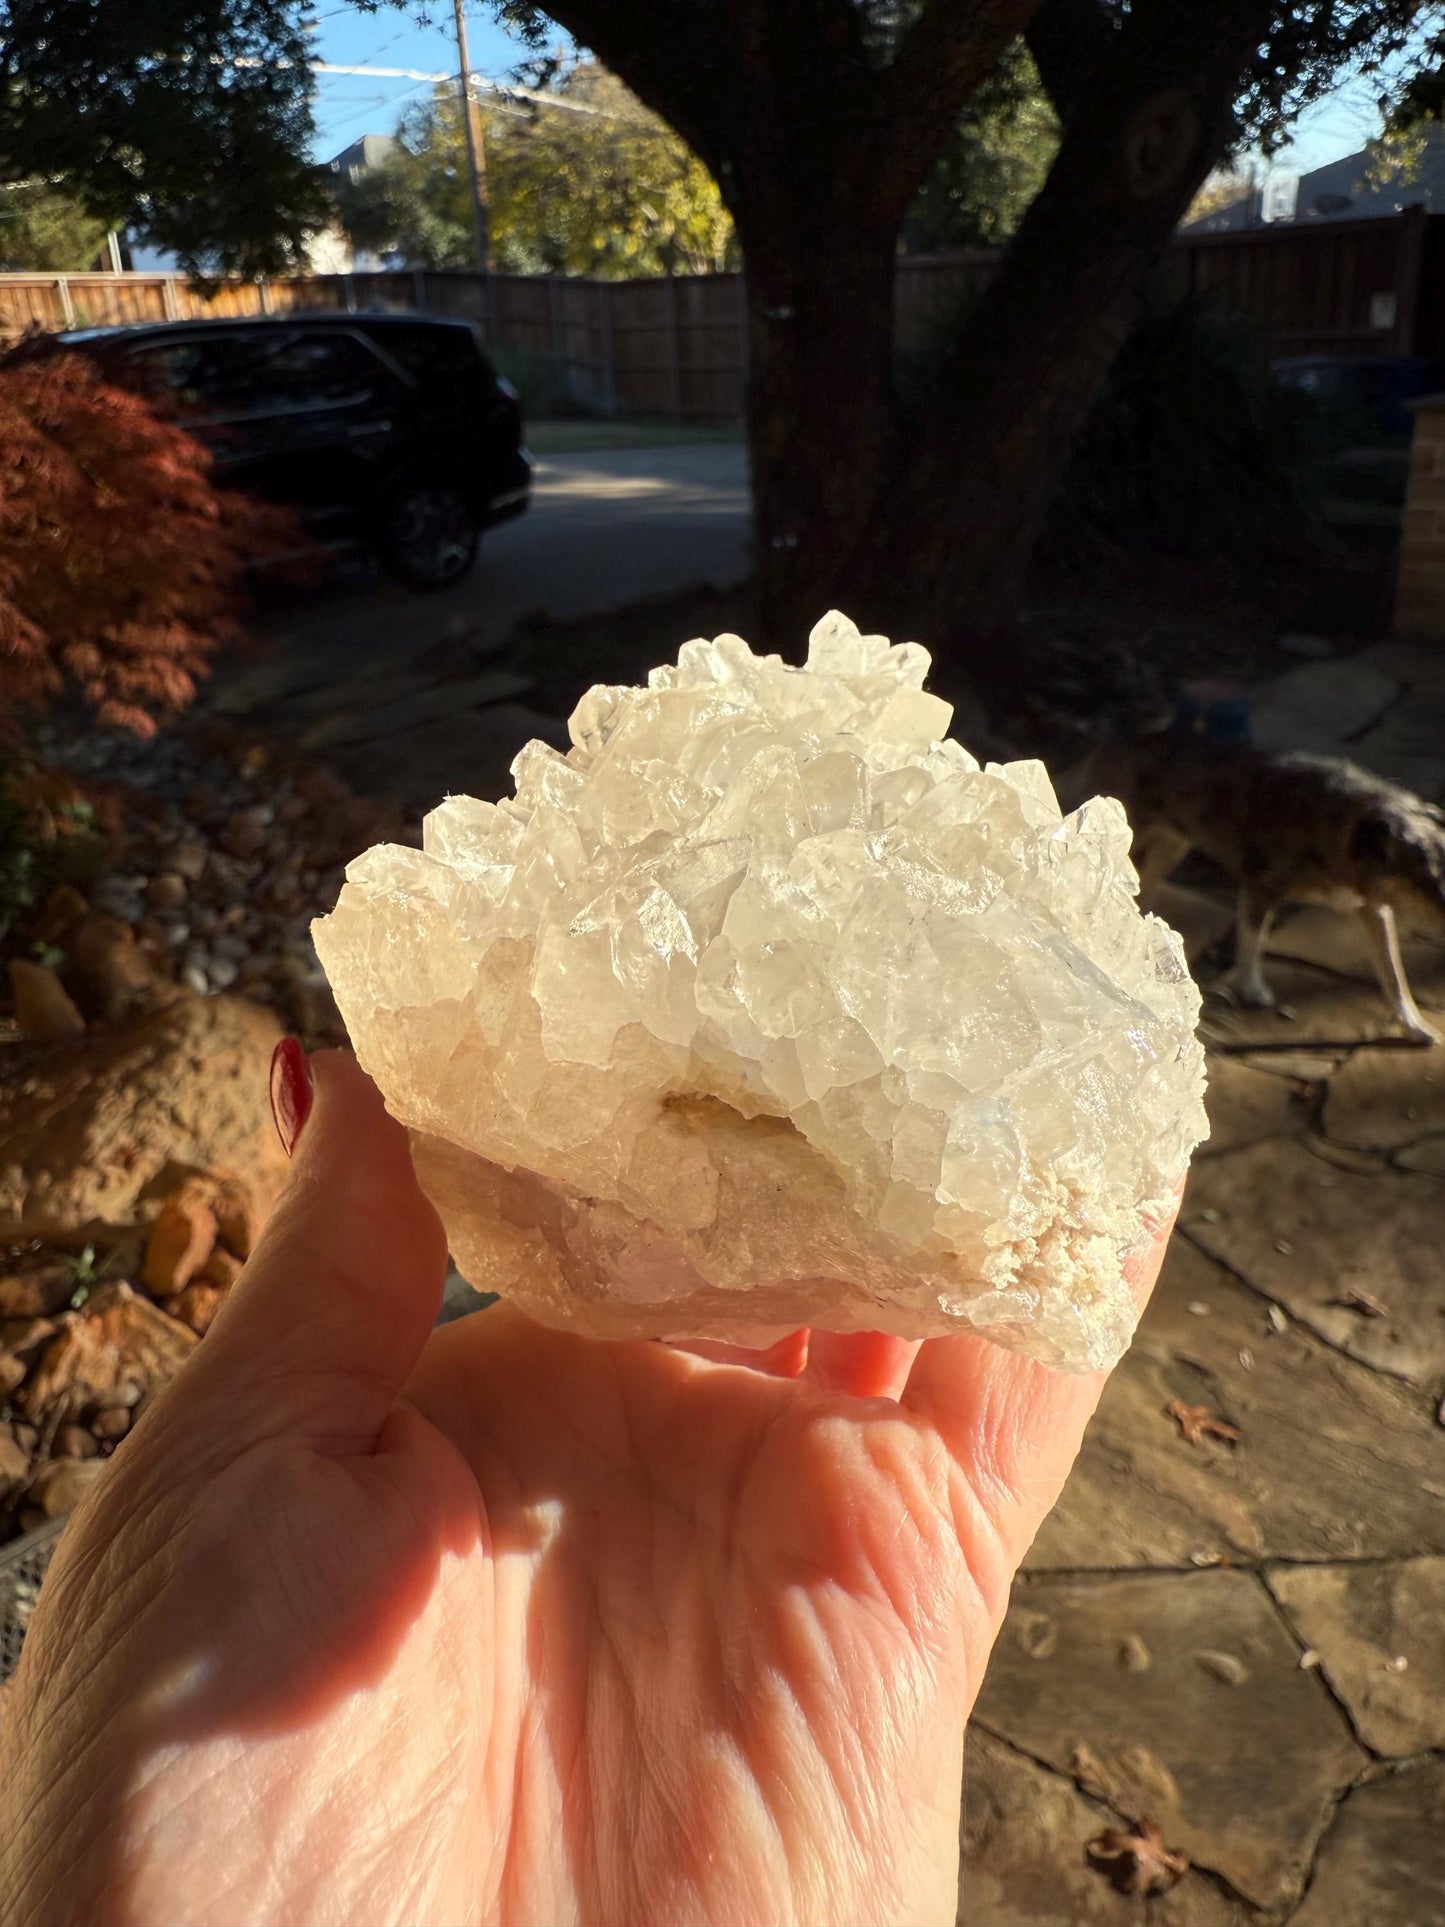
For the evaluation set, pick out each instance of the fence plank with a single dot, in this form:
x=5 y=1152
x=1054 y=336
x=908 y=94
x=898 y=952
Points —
x=676 y=347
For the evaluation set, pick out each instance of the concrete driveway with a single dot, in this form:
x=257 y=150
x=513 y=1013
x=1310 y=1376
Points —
x=602 y=529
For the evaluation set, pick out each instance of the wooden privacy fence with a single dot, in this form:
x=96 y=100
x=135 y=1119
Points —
x=676 y=348
x=673 y=348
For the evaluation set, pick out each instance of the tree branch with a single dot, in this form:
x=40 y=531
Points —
x=1068 y=39
x=681 y=61
x=951 y=47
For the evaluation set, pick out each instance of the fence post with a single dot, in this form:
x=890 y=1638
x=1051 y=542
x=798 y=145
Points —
x=263 y=293
x=494 y=309
x=1409 y=258
x=67 y=306
x=168 y=296
x=603 y=291
x=559 y=335
x=351 y=293
x=674 y=348
x=418 y=288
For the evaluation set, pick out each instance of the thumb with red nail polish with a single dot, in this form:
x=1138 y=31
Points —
x=290 y=1091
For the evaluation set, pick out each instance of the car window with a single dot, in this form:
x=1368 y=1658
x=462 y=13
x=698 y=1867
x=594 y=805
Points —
x=435 y=355
x=250 y=374
x=171 y=373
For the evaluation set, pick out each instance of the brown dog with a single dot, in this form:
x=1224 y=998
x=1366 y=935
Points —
x=1290 y=829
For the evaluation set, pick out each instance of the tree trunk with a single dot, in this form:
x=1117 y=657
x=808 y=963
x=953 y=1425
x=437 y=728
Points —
x=820 y=416
x=1017 y=387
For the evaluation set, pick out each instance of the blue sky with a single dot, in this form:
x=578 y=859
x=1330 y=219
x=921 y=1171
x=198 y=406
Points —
x=347 y=105
x=352 y=104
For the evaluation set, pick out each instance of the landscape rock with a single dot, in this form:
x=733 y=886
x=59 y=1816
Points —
x=59 y=914
x=1427 y=1156
x=166 y=890
x=237 y=1216
x=1321 y=706
x=1384 y=1098
x=1363 y=1620
x=1256 y=1770
x=43 y=1007
x=14 y=1462
x=1140 y=1496
x=196 y=1306
x=366 y=722
x=21 y=1335
x=113 y=978
x=87 y=1124
x=1382 y=1863
x=187 y=859
x=221 y=1269
x=1307 y=1233
x=37 y=1292
x=60 y=1484
x=74 y=1442
x=1024 y=1859
x=180 y=1240
x=117 y=1350
x=1246 y=1103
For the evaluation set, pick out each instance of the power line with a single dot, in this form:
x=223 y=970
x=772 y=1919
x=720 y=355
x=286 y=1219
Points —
x=532 y=94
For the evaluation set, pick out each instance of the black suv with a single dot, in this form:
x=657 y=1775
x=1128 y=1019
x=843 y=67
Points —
x=390 y=428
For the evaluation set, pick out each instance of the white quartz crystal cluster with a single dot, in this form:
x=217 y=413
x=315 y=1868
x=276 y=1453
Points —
x=766 y=1006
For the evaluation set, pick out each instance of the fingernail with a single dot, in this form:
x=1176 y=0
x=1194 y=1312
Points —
x=290 y=1091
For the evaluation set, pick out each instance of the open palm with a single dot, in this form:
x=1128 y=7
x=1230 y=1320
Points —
x=561 y=1631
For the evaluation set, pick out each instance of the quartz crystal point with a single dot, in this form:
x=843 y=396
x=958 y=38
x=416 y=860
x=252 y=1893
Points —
x=766 y=1006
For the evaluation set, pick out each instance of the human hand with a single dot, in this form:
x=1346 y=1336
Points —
x=370 y=1622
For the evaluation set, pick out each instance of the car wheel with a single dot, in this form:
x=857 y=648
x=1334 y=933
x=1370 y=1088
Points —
x=426 y=533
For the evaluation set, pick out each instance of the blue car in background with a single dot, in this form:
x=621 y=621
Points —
x=1375 y=388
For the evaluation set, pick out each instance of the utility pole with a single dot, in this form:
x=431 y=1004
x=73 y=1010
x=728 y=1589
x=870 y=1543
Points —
x=476 y=150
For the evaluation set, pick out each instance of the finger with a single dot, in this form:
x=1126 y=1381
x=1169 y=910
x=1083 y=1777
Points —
x=1012 y=1426
x=785 y=1359
x=332 y=1311
x=864 y=1364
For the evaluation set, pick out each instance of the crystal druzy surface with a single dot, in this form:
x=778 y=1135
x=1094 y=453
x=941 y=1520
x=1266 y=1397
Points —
x=766 y=1006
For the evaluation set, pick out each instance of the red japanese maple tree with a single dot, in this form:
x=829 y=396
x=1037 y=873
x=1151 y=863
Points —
x=121 y=562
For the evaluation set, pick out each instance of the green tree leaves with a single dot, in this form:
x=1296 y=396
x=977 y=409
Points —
x=187 y=121
x=589 y=182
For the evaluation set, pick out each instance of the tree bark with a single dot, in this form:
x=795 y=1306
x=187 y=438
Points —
x=967 y=509
x=818 y=149
x=820 y=415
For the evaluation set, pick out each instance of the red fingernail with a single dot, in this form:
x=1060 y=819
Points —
x=290 y=1091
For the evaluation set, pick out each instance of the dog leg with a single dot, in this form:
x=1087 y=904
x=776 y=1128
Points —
x=1384 y=941
x=1254 y=915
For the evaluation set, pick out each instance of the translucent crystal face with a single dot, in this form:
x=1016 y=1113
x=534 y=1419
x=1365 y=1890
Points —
x=765 y=1005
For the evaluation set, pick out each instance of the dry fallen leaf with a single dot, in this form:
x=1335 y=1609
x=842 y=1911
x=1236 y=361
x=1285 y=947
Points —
x=1363 y=1301
x=1198 y=1423
x=1137 y=1860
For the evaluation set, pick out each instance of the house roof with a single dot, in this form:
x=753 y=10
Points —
x=367 y=151
x=1359 y=186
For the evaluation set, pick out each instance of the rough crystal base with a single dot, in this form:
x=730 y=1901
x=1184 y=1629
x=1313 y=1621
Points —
x=765 y=1006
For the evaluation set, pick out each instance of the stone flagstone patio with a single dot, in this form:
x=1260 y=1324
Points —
x=1242 y=1640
